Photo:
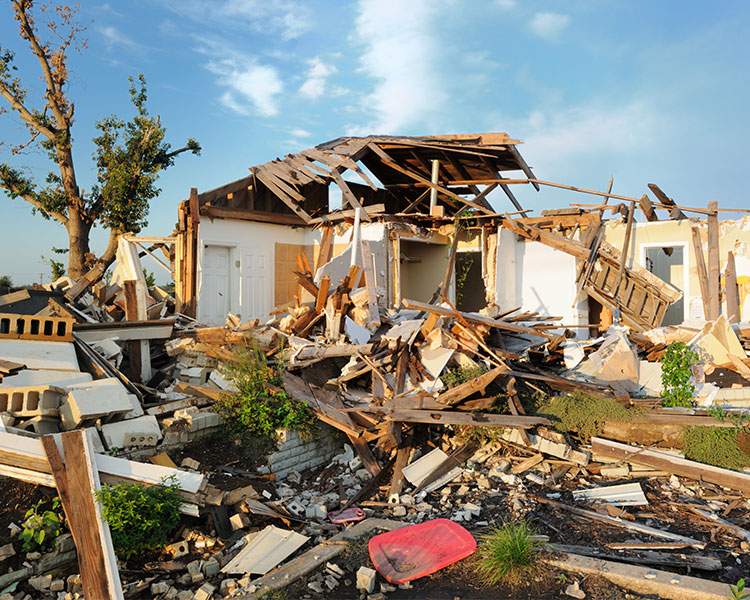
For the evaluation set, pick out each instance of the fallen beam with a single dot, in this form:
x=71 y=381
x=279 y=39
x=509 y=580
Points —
x=672 y=464
x=444 y=417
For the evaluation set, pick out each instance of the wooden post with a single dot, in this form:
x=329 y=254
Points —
x=732 y=293
x=714 y=291
x=624 y=257
x=700 y=264
x=139 y=350
x=434 y=179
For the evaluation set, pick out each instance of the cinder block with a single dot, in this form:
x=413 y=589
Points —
x=86 y=404
x=41 y=425
x=115 y=433
x=31 y=401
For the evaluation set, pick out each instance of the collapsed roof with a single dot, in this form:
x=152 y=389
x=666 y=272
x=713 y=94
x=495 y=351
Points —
x=295 y=189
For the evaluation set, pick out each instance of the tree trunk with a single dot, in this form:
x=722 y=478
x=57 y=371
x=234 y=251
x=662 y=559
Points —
x=78 y=236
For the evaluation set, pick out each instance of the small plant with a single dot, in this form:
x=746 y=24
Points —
x=261 y=406
x=508 y=553
x=140 y=517
x=40 y=529
x=676 y=373
x=737 y=592
x=716 y=446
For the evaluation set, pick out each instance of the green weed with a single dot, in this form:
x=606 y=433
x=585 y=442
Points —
x=41 y=528
x=507 y=554
x=261 y=406
x=737 y=592
x=140 y=518
x=459 y=375
x=676 y=373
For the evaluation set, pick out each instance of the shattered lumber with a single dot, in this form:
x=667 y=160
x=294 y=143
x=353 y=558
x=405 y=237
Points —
x=445 y=417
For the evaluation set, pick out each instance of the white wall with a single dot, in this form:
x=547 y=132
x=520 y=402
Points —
x=539 y=279
x=251 y=263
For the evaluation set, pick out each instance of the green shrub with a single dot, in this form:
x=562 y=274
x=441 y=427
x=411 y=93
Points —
x=676 y=373
x=261 y=405
x=716 y=446
x=584 y=413
x=40 y=529
x=141 y=518
x=507 y=554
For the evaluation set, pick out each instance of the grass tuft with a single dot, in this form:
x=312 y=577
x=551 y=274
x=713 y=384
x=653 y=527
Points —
x=508 y=554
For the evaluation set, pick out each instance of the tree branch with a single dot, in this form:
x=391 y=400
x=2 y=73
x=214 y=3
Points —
x=44 y=62
x=24 y=113
x=17 y=191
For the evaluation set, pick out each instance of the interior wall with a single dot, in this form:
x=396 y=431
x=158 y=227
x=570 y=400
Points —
x=423 y=267
x=538 y=279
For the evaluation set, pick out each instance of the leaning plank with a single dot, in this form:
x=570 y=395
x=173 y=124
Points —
x=18 y=296
x=458 y=393
x=444 y=417
x=96 y=555
x=700 y=265
x=157 y=329
x=616 y=522
x=672 y=464
x=474 y=318
x=714 y=293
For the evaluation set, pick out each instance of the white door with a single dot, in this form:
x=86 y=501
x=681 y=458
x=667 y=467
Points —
x=214 y=296
x=255 y=301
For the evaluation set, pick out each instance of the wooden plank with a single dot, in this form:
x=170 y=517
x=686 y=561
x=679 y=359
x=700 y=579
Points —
x=340 y=215
x=320 y=301
x=732 y=291
x=275 y=186
x=368 y=262
x=445 y=417
x=700 y=264
x=672 y=464
x=364 y=452
x=402 y=458
x=18 y=296
x=674 y=210
x=96 y=555
x=349 y=196
x=474 y=318
x=326 y=248
x=713 y=263
x=466 y=389
x=155 y=329
x=625 y=248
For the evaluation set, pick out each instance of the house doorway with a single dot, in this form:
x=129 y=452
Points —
x=422 y=268
x=214 y=296
x=670 y=267
x=470 y=293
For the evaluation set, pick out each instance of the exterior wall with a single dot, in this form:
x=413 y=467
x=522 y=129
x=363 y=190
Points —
x=733 y=236
x=538 y=278
x=251 y=277
x=296 y=454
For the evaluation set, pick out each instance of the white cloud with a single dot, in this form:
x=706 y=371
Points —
x=248 y=83
x=114 y=37
x=300 y=133
x=401 y=53
x=562 y=142
x=548 y=25
x=315 y=84
x=506 y=4
x=289 y=18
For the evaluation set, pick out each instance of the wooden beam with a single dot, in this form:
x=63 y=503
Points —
x=475 y=318
x=456 y=394
x=370 y=209
x=216 y=212
x=700 y=264
x=368 y=262
x=625 y=248
x=674 y=210
x=714 y=292
x=96 y=556
x=672 y=464
x=449 y=417
x=732 y=292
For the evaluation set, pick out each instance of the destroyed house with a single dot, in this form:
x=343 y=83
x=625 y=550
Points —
x=418 y=224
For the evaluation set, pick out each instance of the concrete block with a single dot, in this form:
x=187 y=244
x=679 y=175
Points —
x=41 y=582
x=178 y=549
x=7 y=551
x=162 y=587
x=240 y=494
x=86 y=404
x=115 y=433
x=239 y=521
x=31 y=401
x=211 y=567
x=137 y=410
x=205 y=592
x=366 y=579
x=41 y=425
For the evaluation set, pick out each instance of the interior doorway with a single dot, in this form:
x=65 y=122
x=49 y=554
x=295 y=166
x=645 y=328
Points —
x=422 y=269
x=470 y=293
x=670 y=267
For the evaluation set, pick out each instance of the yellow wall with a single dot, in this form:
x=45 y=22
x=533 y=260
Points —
x=733 y=236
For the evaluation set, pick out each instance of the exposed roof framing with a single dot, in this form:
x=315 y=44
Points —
x=470 y=166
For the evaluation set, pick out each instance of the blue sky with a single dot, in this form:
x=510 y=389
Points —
x=646 y=91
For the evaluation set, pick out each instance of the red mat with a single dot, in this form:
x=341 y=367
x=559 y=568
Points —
x=412 y=552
